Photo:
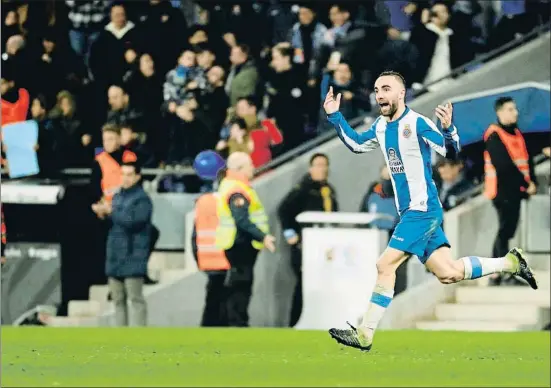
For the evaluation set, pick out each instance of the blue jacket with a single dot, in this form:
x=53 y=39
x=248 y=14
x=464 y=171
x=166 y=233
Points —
x=129 y=239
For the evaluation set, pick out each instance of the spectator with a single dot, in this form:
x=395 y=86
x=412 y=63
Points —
x=71 y=142
x=243 y=77
x=10 y=25
x=187 y=135
x=160 y=22
x=355 y=100
x=15 y=101
x=86 y=21
x=401 y=23
x=121 y=112
x=454 y=185
x=509 y=174
x=264 y=134
x=107 y=55
x=239 y=139
x=512 y=22
x=59 y=67
x=206 y=59
x=106 y=175
x=285 y=89
x=180 y=81
x=146 y=93
x=213 y=101
x=20 y=60
x=128 y=247
x=130 y=141
x=440 y=48
x=346 y=41
x=313 y=193
x=306 y=38
x=47 y=160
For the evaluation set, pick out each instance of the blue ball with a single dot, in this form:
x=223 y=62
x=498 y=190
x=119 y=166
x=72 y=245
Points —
x=207 y=164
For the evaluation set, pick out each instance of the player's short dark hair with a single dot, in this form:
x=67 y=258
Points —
x=394 y=74
x=240 y=122
x=502 y=101
x=318 y=155
x=136 y=165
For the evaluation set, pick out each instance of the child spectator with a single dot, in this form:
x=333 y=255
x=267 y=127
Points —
x=176 y=86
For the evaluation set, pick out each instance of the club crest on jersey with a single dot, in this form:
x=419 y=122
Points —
x=394 y=163
x=407 y=131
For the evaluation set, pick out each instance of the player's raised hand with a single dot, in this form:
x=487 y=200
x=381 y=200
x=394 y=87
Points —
x=331 y=105
x=445 y=114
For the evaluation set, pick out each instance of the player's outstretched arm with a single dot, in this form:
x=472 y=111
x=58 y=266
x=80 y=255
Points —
x=445 y=115
x=356 y=142
x=428 y=131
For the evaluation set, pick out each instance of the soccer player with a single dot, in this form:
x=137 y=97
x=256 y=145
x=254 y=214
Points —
x=406 y=138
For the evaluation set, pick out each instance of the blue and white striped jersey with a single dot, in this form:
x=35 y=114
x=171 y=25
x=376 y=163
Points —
x=406 y=144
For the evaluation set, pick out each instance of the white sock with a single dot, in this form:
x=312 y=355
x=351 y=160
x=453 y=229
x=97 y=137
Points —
x=380 y=299
x=477 y=267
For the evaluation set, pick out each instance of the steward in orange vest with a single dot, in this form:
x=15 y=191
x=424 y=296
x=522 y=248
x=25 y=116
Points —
x=508 y=175
x=210 y=259
x=505 y=173
x=106 y=173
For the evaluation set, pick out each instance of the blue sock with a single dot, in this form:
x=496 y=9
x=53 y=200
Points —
x=380 y=300
x=477 y=267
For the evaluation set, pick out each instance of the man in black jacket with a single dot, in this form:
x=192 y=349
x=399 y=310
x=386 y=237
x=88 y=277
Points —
x=313 y=193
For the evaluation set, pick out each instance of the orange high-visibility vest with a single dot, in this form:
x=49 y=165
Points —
x=209 y=257
x=516 y=147
x=111 y=176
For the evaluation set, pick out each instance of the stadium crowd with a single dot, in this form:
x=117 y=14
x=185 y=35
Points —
x=179 y=77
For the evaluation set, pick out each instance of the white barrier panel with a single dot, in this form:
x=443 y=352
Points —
x=338 y=269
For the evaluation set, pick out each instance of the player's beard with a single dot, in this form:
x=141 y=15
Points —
x=392 y=108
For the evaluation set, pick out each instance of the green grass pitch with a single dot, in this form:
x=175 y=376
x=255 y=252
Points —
x=155 y=357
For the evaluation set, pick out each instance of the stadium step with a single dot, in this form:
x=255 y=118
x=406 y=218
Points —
x=475 y=326
x=171 y=275
x=100 y=293
x=539 y=261
x=160 y=261
x=519 y=313
x=84 y=308
x=73 y=321
x=544 y=279
x=503 y=295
